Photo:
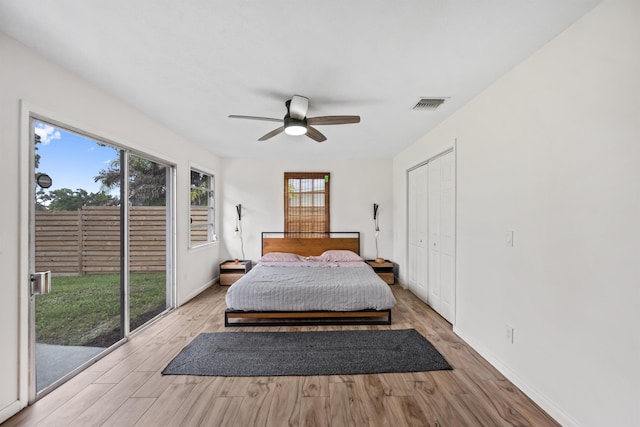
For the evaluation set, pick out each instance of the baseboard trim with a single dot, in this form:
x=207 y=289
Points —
x=198 y=291
x=539 y=398
x=10 y=410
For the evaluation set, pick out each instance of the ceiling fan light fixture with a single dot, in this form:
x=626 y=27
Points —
x=295 y=127
x=295 y=121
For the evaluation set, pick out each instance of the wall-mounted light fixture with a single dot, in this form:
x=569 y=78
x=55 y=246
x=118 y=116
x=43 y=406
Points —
x=375 y=219
x=377 y=228
x=237 y=233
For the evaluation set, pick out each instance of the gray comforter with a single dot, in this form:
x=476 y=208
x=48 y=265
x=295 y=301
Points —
x=271 y=287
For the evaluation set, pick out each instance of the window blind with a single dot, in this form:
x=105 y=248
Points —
x=306 y=203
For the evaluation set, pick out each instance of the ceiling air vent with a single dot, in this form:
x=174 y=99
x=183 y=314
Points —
x=429 y=103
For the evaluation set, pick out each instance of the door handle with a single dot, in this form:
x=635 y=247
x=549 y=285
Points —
x=40 y=283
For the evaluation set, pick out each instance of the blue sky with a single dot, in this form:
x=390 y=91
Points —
x=71 y=160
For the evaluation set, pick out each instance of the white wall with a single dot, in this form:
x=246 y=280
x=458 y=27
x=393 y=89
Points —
x=52 y=91
x=258 y=185
x=551 y=151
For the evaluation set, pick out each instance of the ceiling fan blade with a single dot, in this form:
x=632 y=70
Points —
x=272 y=134
x=333 y=120
x=265 y=119
x=298 y=107
x=315 y=134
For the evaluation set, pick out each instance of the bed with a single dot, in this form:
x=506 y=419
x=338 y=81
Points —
x=309 y=279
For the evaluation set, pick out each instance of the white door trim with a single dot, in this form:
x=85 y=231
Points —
x=26 y=183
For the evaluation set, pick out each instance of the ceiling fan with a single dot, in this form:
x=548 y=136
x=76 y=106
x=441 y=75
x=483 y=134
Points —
x=296 y=122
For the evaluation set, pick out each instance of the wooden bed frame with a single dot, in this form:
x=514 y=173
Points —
x=307 y=244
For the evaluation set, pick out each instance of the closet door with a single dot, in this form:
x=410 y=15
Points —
x=441 y=236
x=418 y=232
x=431 y=234
x=434 y=235
x=422 y=233
x=447 y=237
x=412 y=237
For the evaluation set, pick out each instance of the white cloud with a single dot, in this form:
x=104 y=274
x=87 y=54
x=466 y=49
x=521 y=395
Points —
x=47 y=133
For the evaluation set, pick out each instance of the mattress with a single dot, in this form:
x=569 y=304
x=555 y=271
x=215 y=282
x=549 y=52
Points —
x=336 y=286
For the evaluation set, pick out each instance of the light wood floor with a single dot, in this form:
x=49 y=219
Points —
x=126 y=388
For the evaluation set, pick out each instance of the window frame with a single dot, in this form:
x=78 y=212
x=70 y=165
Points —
x=326 y=176
x=211 y=236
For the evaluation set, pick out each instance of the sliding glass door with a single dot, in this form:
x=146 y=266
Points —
x=100 y=266
x=149 y=219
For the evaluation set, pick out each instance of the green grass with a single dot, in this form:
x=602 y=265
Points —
x=85 y=310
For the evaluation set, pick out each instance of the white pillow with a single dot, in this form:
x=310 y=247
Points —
x=340 y=255
x=280 y=257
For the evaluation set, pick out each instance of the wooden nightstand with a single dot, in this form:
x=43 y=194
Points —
x=230 y=271
x=383 y=269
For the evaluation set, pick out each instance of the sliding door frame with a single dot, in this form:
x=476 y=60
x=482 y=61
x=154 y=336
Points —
x=26 y=358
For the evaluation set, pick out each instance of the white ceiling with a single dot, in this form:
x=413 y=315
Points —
x=189 y=64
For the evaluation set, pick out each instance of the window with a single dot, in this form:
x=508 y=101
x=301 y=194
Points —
x=306 y=202
x=202 y=228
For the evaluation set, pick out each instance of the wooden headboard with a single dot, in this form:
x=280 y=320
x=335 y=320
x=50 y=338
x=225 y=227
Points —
x=309 y=244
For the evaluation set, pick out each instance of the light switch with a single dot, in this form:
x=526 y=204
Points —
x=508 y=238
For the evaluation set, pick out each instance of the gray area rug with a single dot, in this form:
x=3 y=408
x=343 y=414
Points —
x=248 y=354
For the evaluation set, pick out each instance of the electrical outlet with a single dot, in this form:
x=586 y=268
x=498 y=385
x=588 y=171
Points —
x=508 y=334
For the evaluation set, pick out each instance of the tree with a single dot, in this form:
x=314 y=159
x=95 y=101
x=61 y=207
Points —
x=65 y=199
x=37 y=141
x=147 y=186
x=41 y=199
x=147 y=181
x=41 y=196
x=199 y=186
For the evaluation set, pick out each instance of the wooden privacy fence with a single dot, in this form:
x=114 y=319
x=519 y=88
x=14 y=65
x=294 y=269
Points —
x=87 y=241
